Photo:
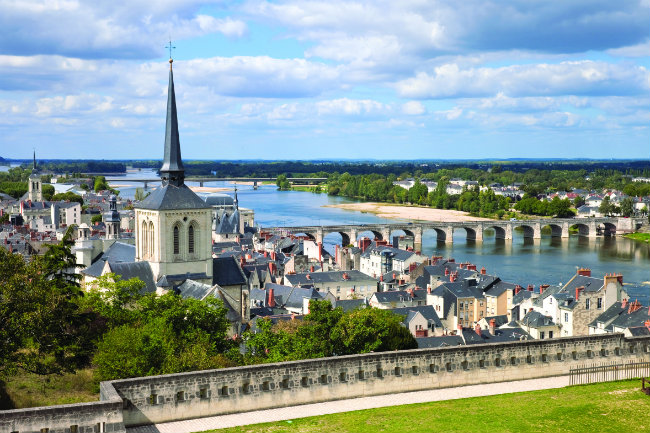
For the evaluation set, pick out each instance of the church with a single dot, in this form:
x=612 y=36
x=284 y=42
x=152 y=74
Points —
x=173 y=224
x=173 y=239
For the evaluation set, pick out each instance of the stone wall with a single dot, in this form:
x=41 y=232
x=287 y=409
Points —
x=102 y=416
x=156 y=399
x=173 y=397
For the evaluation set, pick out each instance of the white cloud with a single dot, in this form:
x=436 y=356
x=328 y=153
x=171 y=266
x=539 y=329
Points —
x=413 y=108
x=568 y=78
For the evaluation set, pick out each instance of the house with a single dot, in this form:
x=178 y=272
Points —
x=422 y=321
x=342 y=284
x=627 y=317
x=539 y=326
x=398 y=299
x=380 y=259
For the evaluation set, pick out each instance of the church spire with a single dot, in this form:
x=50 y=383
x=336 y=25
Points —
x=34 y=166
x=236 y=203
x=172 y=171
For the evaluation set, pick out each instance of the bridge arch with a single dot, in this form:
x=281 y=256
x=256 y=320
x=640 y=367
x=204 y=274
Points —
x=583 y=229
x=529 y=231
x=499 y=232
x=370 y=233
x=473 y=234
x=345 y=237
x=610 y=229
x=556 y=229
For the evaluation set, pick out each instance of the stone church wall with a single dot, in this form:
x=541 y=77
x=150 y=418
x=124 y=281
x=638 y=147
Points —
x=175 y=397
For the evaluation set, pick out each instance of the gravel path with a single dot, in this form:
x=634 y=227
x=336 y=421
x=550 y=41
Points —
x=315 y=409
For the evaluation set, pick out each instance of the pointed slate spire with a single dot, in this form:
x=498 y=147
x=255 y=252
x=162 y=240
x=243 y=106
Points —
x=34 y=166
x=172 y=171
x=236 y=203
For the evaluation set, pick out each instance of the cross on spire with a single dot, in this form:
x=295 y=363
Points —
x=170 y=47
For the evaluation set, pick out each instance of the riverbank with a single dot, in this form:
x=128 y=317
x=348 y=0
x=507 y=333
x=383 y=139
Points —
x=209 y=189
x=639 y=237
x=415 y=213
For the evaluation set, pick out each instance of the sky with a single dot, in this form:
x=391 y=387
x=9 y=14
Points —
x=301 y=79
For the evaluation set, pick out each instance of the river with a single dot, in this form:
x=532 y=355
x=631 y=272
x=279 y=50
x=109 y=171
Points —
x=524 y=261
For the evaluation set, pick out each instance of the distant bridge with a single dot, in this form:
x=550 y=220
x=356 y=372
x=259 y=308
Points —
x=589 y=227
x=202 y=180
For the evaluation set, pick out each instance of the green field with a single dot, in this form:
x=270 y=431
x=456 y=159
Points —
x=607 y=407
x=641 y=237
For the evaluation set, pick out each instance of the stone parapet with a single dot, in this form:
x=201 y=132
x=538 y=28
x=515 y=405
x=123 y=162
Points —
x=174 y=397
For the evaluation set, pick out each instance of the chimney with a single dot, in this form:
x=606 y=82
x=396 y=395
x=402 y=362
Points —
x=394 y=275
x=418 y=252
x=584 y=272
x=446 y=272
x=461 y=265
x=401 y=282
x=483 y=271
x=493 y=325
x=477 y=329
x=530 y=288
x=308 y=277
x=471 y=267
x=312 y=268
x=451 y=260
x=381 y=278
x=273 y=255
x=320 y=252
x=271 y=300
x=624 y=303
x=429 y=289
x=578 y=291
x=460 y=329
x=518 y=289
x=541 y=289
x=634 y=306
x=346 y=276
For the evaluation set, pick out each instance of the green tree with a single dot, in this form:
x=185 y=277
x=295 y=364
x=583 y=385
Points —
x=282 y=182
x=101 y=184
x=139 y=194
x=371 y=330
x=606 y=206
x=41 y=327
x=68 y=196
x=627 y=207
x=48 y=192
x=560 y=208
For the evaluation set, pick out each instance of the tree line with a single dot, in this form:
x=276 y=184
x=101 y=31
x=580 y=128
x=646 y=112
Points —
x=50 y=325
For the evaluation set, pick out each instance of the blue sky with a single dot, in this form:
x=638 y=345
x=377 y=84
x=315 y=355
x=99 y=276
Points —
x=302 y=79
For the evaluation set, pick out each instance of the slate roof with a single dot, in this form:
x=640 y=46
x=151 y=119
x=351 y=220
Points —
x=196 y=290
x=535 y=319
x=285 y=296
x=443 y=341
x=350 y=304
x=590 y=284
x=500 y=320
x=427 y=311
x=141 y=270
x=502 y=335
x=639 y=331
x=118 y=252
x=328 y=277
x=172 y=197
x=499 y=287
x=172 y=280
x=398 y=297
x=226 y=272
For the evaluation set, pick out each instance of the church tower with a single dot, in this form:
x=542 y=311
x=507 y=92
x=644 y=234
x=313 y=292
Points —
x=173 y=224
x=35 y=183
x=112 y=220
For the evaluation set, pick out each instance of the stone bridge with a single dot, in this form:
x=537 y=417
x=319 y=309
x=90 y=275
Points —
x=503 y=229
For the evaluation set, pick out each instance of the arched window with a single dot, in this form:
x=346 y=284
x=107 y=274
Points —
x=190 y=239
x=152 y=239
x=176 y=241
x=144 y=240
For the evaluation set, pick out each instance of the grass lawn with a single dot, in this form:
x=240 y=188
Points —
x=31 y=390
x=600 y=408
x=643 y=237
